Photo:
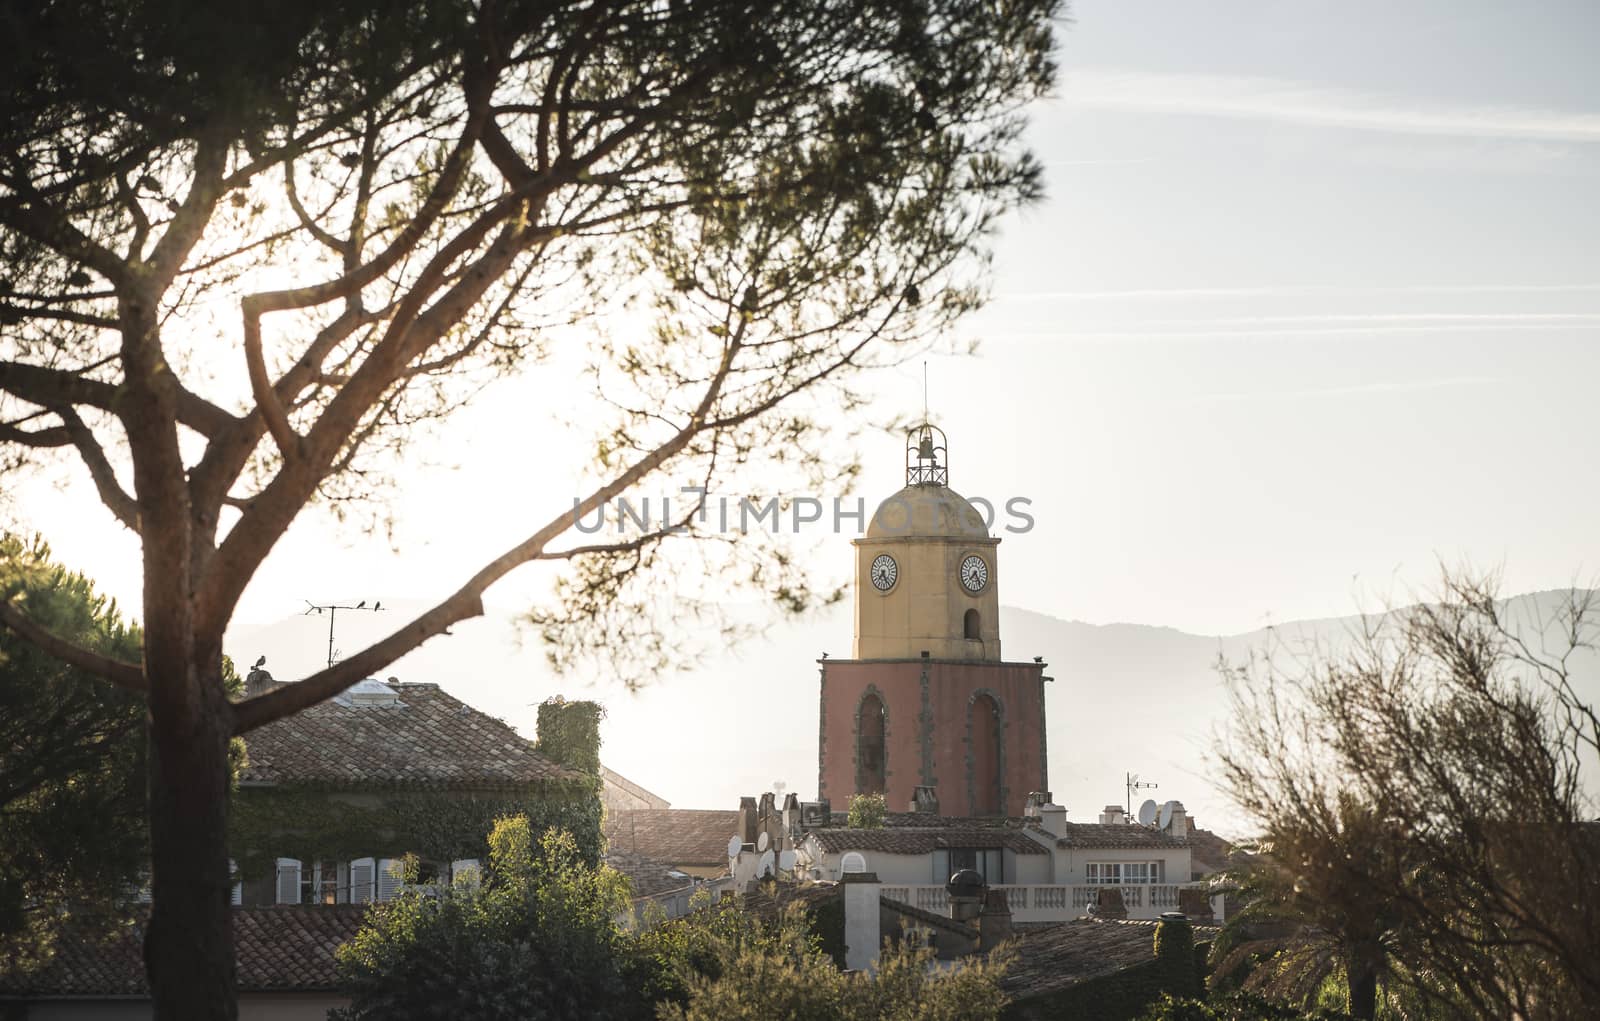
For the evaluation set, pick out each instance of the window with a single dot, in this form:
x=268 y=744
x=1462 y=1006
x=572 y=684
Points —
x=319 y=883
x=391 y=876
x=871 y=769
x=465 y=871
x=308 y=882
x=971 y=625
x=988 y=862
x=983 y=729
x=288 y=881
x=361 y=876
x=1122 y=873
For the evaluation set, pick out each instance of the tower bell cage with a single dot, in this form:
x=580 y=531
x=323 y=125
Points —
x=927 y=457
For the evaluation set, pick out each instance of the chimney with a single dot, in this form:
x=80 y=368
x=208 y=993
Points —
x=1112 y=815
x=747 y=820
x=257 y=681
x=966 y=889
x=1108 y=903
x=791 y=818
x=925 y=799
x=1179 y=826
x=1053 y=819
x=1036 y=801
x=994 y=921
x=862 y=926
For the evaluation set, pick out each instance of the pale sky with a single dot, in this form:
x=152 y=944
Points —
x=1313 y=301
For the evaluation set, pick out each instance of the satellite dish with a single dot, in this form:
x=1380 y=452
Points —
x=735 y=845
x=1147 y=812
x=786 y=861
x=853 y=862
x=762 y=840
x=766 y=866
x=1166 y=813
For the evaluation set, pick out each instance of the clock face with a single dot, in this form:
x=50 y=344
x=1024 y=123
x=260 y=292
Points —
x=974 y=574
x=884 y=572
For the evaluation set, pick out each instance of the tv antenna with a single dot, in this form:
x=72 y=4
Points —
x=1135 y=784
x=333 y=613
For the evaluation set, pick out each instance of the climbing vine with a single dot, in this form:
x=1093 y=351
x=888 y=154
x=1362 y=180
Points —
x=314 y=824
x=569 y=733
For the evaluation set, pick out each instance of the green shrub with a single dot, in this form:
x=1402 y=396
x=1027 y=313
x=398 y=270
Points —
x=1236 y=1006
x=537 y=938
x=867 y=812
x=1175 y=953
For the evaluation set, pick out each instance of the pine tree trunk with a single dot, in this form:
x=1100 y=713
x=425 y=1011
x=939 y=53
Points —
x=188 y=948
x=1363 y=979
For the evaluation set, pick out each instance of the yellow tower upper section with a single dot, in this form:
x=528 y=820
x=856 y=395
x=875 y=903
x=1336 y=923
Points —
x=927 y=578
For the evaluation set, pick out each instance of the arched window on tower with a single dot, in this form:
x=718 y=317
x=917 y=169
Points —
x=972 y=625
x=983 y=728
x=871 y=772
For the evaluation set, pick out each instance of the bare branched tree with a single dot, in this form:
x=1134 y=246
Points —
x=1430 y=784
x=245 y=249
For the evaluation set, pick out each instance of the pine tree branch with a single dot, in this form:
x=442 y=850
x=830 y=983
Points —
x=123 y=675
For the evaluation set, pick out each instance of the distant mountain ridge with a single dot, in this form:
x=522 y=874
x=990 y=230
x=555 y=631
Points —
x=1126 y=698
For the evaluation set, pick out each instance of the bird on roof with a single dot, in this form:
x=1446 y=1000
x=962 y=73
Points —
x=260 y=663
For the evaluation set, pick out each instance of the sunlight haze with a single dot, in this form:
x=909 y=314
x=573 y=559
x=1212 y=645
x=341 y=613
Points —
x=1312 y=305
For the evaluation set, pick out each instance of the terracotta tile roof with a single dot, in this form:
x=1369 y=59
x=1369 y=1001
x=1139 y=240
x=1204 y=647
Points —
x=623 y=783
x=929 y=918
x=428 y=739
x=279 y=949
x=1050 y=958
x=771 y=898
x=840 y=820
x=1209 y=853
x=922 y=839
x=1094 y=834
x=649 y=877
x=679 y=836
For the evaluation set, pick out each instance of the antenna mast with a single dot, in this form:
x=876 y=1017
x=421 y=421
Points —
x=333 y=613
x=1134 y=784
x=924 y=391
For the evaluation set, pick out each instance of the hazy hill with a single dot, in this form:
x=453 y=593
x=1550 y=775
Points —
x=1125 y=697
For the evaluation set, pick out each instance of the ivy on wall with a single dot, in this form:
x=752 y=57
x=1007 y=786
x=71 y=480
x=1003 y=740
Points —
x=313 y=824
x=569 y=733
x=320 y=823
x=1175 y=953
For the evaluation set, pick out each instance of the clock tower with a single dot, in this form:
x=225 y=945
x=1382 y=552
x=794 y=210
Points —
x=927 y=701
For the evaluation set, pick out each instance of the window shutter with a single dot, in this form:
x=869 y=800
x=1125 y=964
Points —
x=288 y=881
x=465 y=872
x=361 y=880
x=237 y=897
x=389 y=879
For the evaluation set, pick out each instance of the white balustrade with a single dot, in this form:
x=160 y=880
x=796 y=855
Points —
x=1047 y=903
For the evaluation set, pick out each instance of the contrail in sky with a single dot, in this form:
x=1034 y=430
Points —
x=1308 y=103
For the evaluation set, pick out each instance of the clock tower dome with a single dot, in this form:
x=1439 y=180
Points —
x=926 y=701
